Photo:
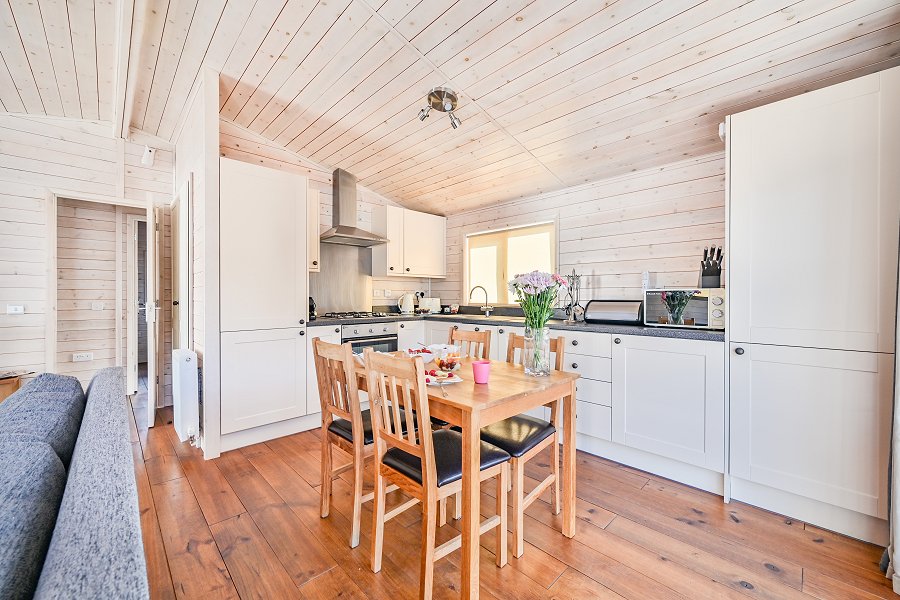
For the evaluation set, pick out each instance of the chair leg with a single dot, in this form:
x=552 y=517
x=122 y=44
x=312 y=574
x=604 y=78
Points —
x=358 y=469
x=442 y=512
x=554 y=468
x=502 y=511
x=518 y=508
x=457 y=506
x=429 y=527
x=378 y=519
x=326 y=466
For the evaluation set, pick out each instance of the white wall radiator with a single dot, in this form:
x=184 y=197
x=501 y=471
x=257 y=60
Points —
x=186 y=395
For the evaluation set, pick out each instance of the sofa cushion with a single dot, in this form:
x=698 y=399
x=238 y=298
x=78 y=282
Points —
x=49 y=408
x=97 y=550
x=32 y=479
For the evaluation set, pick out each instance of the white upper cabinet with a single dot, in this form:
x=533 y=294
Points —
x=263 y=248
x=416 y=246
x=312 y=231
x=668 y=398
x=814 y=190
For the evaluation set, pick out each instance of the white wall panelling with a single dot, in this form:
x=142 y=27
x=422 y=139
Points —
x=610 y=231
x=41 y=158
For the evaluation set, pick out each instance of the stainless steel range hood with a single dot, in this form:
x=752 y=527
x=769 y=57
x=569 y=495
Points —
x=345 y=230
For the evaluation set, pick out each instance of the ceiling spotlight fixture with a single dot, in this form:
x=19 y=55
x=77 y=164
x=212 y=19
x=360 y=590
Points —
x=442 y=99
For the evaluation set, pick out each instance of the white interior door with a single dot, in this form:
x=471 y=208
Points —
x=152 y=311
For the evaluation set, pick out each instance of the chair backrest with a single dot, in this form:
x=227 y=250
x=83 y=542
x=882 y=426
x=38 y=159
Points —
x=338 y=388
x=397 y=383
x=517 y=342
x=474 y=344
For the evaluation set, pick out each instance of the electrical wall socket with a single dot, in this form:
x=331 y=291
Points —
x=377 y=293
x=388 y=293
x=82 y=356
x=15 y=309
x=96 y=305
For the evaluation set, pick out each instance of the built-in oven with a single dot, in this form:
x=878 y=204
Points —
x=381 y=337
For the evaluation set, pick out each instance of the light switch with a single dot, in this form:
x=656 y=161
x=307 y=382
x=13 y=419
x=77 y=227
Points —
x=82 y=356
x=388 y=293
x=15 y=309
x=378 y=293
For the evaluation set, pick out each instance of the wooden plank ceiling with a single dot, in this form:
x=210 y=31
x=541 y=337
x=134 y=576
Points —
x=554 y=94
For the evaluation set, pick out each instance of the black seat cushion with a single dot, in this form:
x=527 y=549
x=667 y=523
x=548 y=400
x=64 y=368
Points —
x=447 y=458
x=343 y=428
x=517 y=435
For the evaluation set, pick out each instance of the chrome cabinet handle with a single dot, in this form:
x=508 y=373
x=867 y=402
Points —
x=477 y=329
x=739 y=351
x=315 y=263
x=302 y=333
x=574 y=342
x=618 y=340
x=302 y=321
x=402 y=326
x=500 y=331
x=574 y=365
x=337 y=329
x=392 y=268
x=407 y=269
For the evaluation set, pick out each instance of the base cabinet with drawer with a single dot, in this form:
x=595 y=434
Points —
x=668 y=398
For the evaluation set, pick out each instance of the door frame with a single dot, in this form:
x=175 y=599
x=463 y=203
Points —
x=51 y=214
x=131 y=310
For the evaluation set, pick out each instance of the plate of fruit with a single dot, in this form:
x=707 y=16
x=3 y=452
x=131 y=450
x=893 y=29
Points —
x=438 y=377
x=425 y=353
x=446 y=356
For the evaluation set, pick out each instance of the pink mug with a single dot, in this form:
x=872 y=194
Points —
x=481 y=370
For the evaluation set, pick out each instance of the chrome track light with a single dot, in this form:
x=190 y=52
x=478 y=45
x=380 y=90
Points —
x=442 y=99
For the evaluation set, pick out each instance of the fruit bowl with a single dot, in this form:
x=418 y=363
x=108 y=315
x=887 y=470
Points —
x=446 y=357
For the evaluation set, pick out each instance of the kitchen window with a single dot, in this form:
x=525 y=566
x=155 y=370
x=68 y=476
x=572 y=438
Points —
x=495 y=257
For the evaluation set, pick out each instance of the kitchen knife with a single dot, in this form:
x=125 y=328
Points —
x=705 y=253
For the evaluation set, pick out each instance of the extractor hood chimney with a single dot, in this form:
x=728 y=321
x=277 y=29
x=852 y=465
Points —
x=345 y=230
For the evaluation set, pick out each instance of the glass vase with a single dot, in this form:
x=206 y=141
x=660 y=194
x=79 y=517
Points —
x=676 y=315
x=536 y=355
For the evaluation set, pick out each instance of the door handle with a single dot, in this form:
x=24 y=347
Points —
x=174 y=302
x=315 y=263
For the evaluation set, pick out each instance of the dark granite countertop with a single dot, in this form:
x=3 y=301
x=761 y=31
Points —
x=666 y=332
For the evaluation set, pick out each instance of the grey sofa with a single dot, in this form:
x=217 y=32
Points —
x=69 y=520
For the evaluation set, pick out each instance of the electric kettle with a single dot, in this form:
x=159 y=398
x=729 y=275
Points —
x=407 y=304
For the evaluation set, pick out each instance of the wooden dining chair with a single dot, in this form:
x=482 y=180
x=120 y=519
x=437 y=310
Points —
x=524 y=437
x=344 y=425
x=425 y=464
x=474 y=344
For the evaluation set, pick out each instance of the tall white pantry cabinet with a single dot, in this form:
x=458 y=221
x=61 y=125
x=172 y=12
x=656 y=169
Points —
x=263 y=299
x=814 y=207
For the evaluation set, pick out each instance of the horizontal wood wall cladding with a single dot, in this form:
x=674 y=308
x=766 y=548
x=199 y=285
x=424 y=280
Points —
x=40 y=155
x=242 y=144
x=611 y=231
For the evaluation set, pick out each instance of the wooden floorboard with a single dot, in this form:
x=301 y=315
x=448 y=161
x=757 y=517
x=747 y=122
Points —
x=247 y=525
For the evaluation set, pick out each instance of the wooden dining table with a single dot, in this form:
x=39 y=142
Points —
x=471 y=406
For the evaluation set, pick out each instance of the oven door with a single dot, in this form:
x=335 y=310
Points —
x=378 y=343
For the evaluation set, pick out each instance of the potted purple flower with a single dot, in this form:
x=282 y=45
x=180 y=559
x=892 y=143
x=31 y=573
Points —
x=536 y=293
x=676 y=301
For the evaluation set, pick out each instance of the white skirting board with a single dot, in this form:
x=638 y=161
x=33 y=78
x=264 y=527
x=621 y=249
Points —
x=697 y=477
x=264 y=433
x=827 y=516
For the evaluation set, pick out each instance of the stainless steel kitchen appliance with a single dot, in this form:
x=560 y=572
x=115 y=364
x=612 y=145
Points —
x=381 y=337
x=705 y=309
x=624 y=312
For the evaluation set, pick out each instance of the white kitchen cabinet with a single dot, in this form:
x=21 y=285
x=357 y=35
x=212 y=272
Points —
x=813 y=422
x=438 y=332
x=411 y=334
x=263 y=377
x=262 y=257
x=668 y=398
x=416 y=244
x=312 y=231
x=326 y=333
x=502 y=340
x=814 y=195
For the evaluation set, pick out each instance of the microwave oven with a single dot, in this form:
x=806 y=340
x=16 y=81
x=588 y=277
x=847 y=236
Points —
x=704 y=310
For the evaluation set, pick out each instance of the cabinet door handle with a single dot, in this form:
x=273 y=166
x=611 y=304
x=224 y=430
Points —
x=618 y=340
x=302 y=333
x=337 y=329
x=739 y=351
x=302 y=321
x=477 y=329
x=456 y=327
x=574 y=365
x=391 y=269
x=174 y=302
x=407 y=269
x=402 y=326
x=499 y=331
x=315 y=263
x=574 y=342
